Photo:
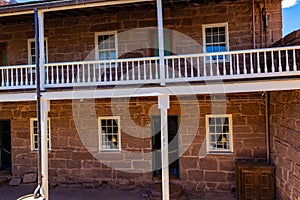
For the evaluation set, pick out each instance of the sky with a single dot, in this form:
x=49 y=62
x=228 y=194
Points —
x=290 y=14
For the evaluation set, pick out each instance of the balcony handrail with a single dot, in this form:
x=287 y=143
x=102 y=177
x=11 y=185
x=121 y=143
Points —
x=156 y=57
x=233 y=52
x=103 y=61
x=238 y=64
x=17 y=66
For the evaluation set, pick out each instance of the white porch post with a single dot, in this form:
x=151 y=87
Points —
x=164 y=105
x=42 y=49
x=45 y=108
x=161 y=42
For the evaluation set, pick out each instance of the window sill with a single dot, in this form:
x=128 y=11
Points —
x=36 y=151
x=110 y=151
x=221 y=153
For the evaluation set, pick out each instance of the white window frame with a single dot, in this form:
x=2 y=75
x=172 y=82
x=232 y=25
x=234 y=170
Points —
x=100 y=133
x=204 y=26
x=29 y=41
x=212 y=151
x=32 y=120
x=105 y=33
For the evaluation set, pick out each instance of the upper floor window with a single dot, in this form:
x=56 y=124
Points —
x=215 y=39
x=31 y=51
x=106 y=46
x=109 y=133
x=34 y=134
x=219 y=133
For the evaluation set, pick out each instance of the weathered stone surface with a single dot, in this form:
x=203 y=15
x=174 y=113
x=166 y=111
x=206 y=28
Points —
x=15 y=181
x=195 y=175
x=285 y=143
x=215 y=176
x=30 y=177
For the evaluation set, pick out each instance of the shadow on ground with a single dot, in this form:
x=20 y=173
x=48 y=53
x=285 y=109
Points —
x=104 y=193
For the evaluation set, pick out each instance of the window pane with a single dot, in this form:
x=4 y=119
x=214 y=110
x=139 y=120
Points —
x=208 y=39
x=107 y=47
x=222 y=38
x=215 y=39
x=222 y=48
x=110 y=131
x=209 y=48
x=212 y=121
x=219 y=130
x=112 y=55
x=212 y=129
x=222 y=30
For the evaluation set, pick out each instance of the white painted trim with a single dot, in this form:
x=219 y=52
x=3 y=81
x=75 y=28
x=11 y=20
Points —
x=209 y=88
x=163 y=105
x=97 y=34
x=16 y=97
x=208 y=150
x=100 y=133
x=161 y=48
x=42 y=47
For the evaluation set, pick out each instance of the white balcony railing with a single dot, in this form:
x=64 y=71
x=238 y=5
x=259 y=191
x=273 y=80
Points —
x=246 y=64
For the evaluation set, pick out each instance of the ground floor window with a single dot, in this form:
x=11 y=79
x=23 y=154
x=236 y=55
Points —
x=34 y=134
x=219 y=133
x=109 y=133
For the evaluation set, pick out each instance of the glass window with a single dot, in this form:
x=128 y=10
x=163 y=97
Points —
x=31 y=51
x=215 y=39
x=34 y=134
x=219 y=133
x=109 y=133
x=106 y=46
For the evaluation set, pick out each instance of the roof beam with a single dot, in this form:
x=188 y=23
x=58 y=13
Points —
x=49 y=7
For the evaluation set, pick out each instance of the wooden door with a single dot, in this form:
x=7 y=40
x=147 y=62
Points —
x=3 y=54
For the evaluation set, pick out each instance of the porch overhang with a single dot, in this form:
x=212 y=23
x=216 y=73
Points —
x=127 y=92
x=58 y=5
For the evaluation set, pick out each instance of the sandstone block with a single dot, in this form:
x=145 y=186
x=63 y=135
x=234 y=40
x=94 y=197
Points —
x=15 y=181
x=30 y=177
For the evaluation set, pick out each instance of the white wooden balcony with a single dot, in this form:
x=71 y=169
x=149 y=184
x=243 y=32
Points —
x=246 y=64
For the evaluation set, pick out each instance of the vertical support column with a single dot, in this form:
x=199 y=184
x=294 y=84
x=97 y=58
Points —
x=42 y=49
x=45 y=108
x=164 y=105
x=161 y=42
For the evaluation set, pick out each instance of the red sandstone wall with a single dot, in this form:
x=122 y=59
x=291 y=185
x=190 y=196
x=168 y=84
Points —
x=71 y=36
x=285 y=142
x=70 y=162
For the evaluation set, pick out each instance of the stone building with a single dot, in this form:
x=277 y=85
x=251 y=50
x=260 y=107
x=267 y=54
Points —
x=223 y=94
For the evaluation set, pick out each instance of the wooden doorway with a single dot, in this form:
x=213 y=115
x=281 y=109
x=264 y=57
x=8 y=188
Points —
x=5 y=146
x=3 y=56
x=173 y=139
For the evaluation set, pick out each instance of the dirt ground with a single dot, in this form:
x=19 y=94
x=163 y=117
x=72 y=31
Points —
x=104 y=193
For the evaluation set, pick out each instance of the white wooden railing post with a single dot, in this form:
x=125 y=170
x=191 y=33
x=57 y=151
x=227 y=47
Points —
x=164 y=105
x=161 y=42
x=42 y=49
